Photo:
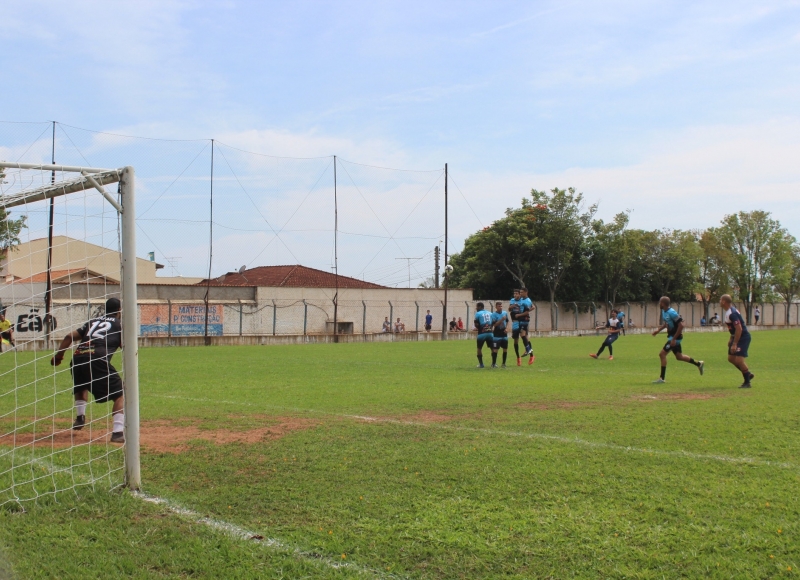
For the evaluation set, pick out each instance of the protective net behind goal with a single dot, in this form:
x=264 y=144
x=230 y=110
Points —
x=60 y=260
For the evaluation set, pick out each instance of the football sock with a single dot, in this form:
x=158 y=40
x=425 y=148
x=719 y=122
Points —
x=663 y=372
x=693 y=362
x=602 y=348
x=610 y=350
x=119 y=422
x=746 y=375
x=80 y=407
x=516 y=348
x=480 y=358
x=527 y=344
x=505 y=355
x=494 y=358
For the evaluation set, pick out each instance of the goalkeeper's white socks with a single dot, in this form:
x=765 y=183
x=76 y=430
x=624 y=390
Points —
x=80 y=407
x=119 y=422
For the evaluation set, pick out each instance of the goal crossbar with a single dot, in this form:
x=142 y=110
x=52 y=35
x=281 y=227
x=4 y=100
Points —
x=93 y=178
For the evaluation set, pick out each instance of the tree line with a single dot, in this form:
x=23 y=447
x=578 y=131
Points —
x=557 y=248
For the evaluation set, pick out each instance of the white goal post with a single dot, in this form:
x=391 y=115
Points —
x=94 y=178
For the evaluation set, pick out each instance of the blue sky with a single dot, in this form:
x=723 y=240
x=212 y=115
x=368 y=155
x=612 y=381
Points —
x=679 y=112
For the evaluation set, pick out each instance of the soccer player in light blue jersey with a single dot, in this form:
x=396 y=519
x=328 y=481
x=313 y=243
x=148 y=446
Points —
x=673 y=322
x=500 y=332
x=524 y=318
x=483 y=324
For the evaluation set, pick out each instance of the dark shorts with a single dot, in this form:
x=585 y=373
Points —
x=99 y=377
x=741 y=346
x=523 y=325
x=515 y=333
x=501 y=342
x=677 y=350
x=7 y=335
x=485 y=338
x=610 y=339
x=427 y=327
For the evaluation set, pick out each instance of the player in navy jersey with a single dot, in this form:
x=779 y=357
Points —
x=739 y=341
x=91 y=367
x=500 y=333
x=614 y=327
x=524 y=318
x=513 y=310
x=673 y=322
x=483 y=324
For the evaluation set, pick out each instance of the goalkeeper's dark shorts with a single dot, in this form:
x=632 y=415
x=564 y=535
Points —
x=98 y=376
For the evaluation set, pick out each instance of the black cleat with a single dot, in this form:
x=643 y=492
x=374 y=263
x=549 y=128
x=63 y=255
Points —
x=745 y=385
x=117 y=437
x=79 y=422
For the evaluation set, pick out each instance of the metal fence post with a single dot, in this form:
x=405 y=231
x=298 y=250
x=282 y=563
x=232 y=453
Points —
x=594 y=314
x=556 y=305
x=773 y=314
x=466 y=322
x=535 y=319
x=241 y=315
x=628 y=312
x=364 y=318
x=274 y=317
x=169 y=322
x=576 y=315
x=416 y=324
x=391 y=317
x=305 y=317
x=645 y=315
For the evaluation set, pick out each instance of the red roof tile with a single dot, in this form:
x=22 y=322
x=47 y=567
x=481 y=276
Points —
x=289 y=276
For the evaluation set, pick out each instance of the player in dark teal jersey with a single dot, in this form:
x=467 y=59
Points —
x=483 y=324
x=739 y=342
x=499 y=330
x=673 y=322
x=513 y=311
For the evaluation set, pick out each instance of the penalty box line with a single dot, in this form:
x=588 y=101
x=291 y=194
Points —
x=239 y=533
x=542 y=436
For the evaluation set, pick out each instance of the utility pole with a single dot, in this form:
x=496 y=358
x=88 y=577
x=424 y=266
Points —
x=48 y=292
x=409 y=260
x=335 y=255
x=207 y=339
x=436 y=267
x=444 y=308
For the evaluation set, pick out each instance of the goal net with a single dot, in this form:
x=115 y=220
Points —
x=67 y=246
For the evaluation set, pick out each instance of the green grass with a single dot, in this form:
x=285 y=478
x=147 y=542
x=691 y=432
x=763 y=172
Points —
x=570 y=468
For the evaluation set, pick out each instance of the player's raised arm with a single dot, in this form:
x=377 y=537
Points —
x=66 y=342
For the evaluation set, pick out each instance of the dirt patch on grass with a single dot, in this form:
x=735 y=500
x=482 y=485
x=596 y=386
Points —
x=681 y=396
x=427 y=417
x=158 y=436
x=166 y=437
x=556 y=405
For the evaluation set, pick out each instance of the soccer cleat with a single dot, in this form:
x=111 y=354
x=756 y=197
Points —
x=610 y=357
x=530 y=360
x=659 y=381
x=700 y=365
x=593 y=355
x=480 y=366
x=80 y=421
x=503 y=365
x=519 y=362
x=750 y=377
x=117 y=437
x=494 y=365
x=745 y=385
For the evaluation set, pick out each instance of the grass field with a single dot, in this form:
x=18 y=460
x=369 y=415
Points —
x=404 y=460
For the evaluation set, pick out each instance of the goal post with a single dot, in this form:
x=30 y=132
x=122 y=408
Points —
x=86 y=178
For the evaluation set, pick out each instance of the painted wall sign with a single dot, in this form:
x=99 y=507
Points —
x=186 y=320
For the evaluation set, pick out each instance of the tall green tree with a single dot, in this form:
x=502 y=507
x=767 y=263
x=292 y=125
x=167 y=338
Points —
x=787 y=281
x=758 y=246
x=713 y=279
x=9 y=228
x=615 y=253
x=562 y=227
x=670 y=259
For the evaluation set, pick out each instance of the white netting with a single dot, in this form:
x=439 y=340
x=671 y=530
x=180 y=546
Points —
x=40 y=453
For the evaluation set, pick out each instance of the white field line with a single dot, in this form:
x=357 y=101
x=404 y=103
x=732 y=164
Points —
x=543 y=436
x=240 y=533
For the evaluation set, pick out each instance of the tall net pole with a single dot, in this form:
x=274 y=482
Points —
x=446 y=276
x=130 y=330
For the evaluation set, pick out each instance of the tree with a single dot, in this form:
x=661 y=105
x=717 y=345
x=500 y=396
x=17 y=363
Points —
x=670 y=259
x=713 y=279
x=561 y=228
x=758 y=246
x=9 y=228
x=788 y=280
x=615 y=254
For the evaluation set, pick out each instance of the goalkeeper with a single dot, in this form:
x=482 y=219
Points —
x=91 y=367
